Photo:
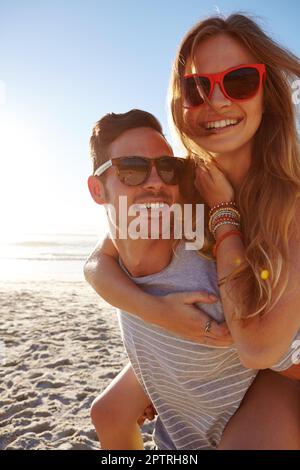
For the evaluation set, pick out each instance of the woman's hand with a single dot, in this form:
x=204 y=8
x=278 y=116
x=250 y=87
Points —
x=184 y=319
x=213 y=185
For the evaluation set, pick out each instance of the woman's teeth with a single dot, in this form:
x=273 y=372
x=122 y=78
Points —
x=221 y=124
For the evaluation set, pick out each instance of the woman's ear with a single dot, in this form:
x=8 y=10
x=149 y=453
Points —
x=97 y=190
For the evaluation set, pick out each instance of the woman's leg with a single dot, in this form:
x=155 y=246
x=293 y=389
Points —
x=115 y=412
x=269 y=416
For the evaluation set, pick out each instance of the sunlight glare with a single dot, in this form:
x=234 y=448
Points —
x=20 y=176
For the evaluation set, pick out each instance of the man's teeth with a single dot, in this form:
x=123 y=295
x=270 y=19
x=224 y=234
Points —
x=152 y=205
x=218 y=124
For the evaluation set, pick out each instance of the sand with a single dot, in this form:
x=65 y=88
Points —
x=60 y=346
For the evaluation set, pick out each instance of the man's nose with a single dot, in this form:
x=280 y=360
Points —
x=153 y=181
x=218 y=98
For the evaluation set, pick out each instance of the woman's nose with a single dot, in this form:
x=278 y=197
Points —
x=218 y=98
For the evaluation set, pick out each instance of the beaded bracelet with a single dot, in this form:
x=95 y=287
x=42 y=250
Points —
x=224 y=219
x=230 y=210
x=229 y=220
x=225 y=223
x=221 y=216
x=222 y=205
x=223 y=213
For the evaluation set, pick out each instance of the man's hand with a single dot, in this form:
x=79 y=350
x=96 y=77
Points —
x=182 y=317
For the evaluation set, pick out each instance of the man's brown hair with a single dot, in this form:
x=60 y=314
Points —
x=111 y=126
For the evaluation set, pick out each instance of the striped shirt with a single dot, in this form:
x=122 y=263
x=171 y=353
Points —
x=195 y=388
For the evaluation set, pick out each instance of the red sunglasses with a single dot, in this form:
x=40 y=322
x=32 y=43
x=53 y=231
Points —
x=237 y=84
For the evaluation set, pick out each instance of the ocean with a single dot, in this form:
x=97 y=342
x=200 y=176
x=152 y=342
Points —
x=45 y=257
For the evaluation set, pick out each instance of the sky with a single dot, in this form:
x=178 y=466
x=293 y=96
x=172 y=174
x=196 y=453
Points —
x=63 y=65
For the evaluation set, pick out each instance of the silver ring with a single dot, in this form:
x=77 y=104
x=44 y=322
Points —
x=207 y=326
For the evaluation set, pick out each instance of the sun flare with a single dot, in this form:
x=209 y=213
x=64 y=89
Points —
x=21 y=162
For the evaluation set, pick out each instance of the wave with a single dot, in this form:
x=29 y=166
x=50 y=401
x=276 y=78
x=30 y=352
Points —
x=43 y=244
x=47 y=258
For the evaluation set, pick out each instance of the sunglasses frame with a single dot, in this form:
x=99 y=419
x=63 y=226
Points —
x=153 y=162
x=219 y=78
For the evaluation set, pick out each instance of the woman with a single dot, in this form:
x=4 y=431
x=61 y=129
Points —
x=232 y=108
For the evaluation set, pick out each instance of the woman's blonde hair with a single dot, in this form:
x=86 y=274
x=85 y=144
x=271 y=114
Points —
x=267 y=198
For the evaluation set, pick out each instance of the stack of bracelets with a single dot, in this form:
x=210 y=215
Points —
x=224 y=213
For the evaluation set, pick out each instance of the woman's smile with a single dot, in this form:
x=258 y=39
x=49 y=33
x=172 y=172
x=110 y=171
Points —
x=220 y=127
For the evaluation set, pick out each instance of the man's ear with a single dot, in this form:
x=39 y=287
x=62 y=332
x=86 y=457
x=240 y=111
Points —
x=97 y=189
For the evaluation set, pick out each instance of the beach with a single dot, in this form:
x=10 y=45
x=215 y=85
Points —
x=60 y=346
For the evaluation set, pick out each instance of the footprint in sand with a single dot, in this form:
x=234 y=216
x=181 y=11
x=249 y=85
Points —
x=49 y=384
x=10 y=411
x=61 y=362
x=36 y=375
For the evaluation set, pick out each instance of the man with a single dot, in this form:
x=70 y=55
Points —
x=196 y=388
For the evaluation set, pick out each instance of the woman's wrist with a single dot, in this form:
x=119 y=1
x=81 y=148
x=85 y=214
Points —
x=223 y=213
x=234 y=232
x=220 y=231
x=218 y=204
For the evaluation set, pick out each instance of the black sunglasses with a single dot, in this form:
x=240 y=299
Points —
x=133 y=170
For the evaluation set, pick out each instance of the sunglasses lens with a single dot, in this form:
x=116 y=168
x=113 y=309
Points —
x=194 y=89
x=242 y=83
x=132 y=171
x=169 y=169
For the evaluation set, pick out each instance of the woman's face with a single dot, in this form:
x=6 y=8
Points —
x=215 y=55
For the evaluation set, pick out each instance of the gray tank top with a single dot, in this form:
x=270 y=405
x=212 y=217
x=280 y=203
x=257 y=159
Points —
x=195 y=388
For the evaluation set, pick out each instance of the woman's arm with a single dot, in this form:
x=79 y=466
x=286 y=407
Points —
x=262 y=340
x=174 y=312
x=104 y=274
x=292 y=372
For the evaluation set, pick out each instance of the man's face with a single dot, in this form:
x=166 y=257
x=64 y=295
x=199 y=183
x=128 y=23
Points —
x=143 y=142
